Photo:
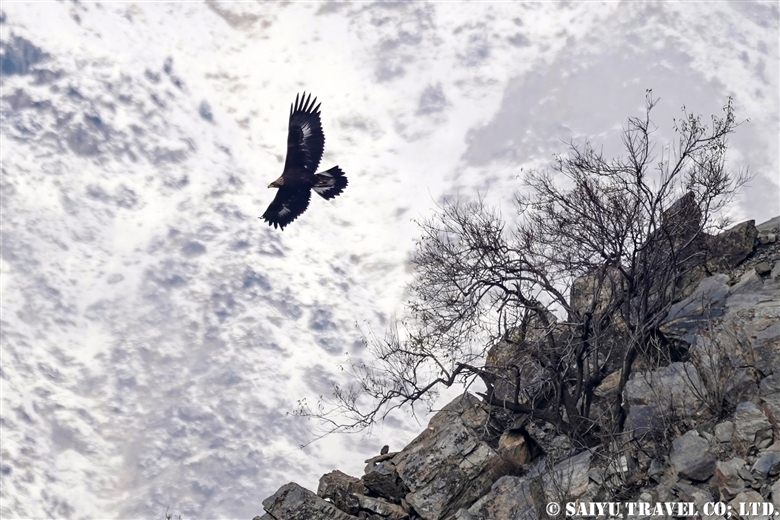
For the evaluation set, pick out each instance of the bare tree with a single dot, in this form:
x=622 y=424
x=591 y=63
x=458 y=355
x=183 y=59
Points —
x=542 y=313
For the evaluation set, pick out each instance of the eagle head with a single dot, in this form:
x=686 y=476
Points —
x=277 y=183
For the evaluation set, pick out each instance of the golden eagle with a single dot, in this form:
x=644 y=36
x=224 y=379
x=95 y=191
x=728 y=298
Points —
x=305 y=141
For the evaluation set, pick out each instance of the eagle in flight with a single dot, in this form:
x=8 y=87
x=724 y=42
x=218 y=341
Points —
x=305 y=141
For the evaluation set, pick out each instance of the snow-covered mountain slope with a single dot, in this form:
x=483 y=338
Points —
x=155 y=333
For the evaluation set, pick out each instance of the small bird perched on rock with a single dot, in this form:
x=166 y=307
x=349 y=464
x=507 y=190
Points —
x=305 y=142
x=384 y=449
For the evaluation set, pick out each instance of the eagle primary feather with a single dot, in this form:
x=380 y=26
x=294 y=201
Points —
x=305 y=143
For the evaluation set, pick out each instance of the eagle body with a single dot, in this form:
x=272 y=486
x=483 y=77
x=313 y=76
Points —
x=305 y=142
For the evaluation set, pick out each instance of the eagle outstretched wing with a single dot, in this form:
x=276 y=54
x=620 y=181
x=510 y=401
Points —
x=288 y=205
x=305 y=140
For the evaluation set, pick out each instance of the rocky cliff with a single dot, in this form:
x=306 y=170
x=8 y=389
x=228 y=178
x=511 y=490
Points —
x=702 y=429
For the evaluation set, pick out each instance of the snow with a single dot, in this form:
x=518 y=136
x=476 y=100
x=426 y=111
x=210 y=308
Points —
x=155 y=333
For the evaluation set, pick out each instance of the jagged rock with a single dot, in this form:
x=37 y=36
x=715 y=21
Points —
x=609 y=385
x=594 y=290
x=382 y=508
x=746 y=475
x=341 y=489
x=656 y=469
x=749 y=421
x=767 y=238
x=764 y=331
x=568 y=480
x=769 y=392
x=596 y=475
x=763 y=439
x=515 y=370
x=740 y=386
x=727 y=480
x=381 y=457
x=724 y=431
x=683 y=217
x=712 y=254
x=293 y=502
x=775 y=274
x=747 y=283
x=383 y=479
x=748 y=497
x=729 y=248
x=692 y=313
x=768 y=464
x=510 y=497
x=746 y=340
x=339 y=480
x=688 y=493
x=661 y=493
x=676 y=388
x=448 y=466
x=691 y=458
x=643 y=419
x=513 y=448
x=769 y=225
x=524 y=498
x=776 y=494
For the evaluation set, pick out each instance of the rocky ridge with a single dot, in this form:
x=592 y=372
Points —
x=700 y=430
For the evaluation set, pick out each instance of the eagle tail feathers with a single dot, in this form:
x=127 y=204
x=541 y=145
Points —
x=330 y=183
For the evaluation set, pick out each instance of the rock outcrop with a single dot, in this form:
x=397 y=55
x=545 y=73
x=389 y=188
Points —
x=704 y=428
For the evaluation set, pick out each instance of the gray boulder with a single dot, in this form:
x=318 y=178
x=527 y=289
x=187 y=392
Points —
x=776 y=494
x=768 y=464
x=729 y=248
x=769 y=225
x=568 y=479
x=724 y=431
x=513 y=448
x=747 y=497
x=293 y=502
x=726 y=479
x=748 y=422
x=383 y=479
x=525 y=498
x=382 y=508
x=674 y=389
x=643 y=419
x=765 y=334
x=691 y=458
x=449 y=466
x=509 y=498
x=516 y=373
x=342 y=490
x=740 y=386
x=769 y=392
x=689 y=315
